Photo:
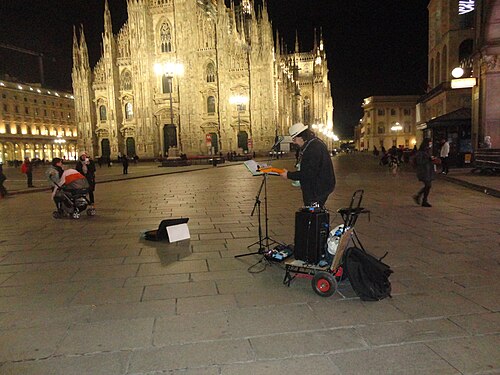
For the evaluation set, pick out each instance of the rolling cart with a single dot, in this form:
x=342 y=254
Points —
x=324 y=280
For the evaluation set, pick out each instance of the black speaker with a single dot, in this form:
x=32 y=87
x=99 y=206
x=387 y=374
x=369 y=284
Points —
x=311 y=233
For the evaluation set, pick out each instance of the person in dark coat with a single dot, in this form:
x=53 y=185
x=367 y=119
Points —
x=425 y=171
x=86 y=166
x=27 y=168
x=125 y=164
x=3 y=190
x=316 y=174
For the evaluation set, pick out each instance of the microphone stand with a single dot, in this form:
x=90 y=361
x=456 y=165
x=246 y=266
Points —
x=266 y=241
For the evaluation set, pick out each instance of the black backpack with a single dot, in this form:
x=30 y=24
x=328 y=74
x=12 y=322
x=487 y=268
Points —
x=368 y=275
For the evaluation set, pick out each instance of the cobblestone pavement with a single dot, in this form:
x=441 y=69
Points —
x=90 y=296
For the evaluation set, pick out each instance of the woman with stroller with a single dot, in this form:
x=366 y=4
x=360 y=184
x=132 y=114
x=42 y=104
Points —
x=54 y=172
x=86 y=167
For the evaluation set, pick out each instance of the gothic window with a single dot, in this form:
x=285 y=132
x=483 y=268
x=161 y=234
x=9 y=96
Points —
x=381 y=112
x=210 y=72
x=381 y=128
x=393 y=112
x=129 y=111
x=126 y=80
x=165 y=37
x=211 y=104
x=166 y=84
x=102 y=113
x=307 y=110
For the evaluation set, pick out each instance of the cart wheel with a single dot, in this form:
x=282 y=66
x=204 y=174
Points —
x=76 y=215
x=56 y=215
x=91 y=212
x=324 y=284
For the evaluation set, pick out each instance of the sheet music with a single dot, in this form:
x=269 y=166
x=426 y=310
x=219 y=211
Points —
x=253 y=167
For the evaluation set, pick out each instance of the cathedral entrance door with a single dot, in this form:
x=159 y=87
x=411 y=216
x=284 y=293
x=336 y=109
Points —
x=169 y=137
x=243 y=140
x=215 y=143
x=105 y=148
x=130 y=147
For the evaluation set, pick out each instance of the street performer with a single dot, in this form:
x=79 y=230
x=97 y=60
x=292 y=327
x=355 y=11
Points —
x=315 y=168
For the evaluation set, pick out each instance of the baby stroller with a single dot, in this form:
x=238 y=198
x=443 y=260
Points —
x=70 y=195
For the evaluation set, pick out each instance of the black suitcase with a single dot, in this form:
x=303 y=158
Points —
x=311 y=233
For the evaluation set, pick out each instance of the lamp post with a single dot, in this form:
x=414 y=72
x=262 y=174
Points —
x=240 y=101
x=169 y=70
x=397 y=127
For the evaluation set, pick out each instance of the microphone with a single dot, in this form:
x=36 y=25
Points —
x=279 y=139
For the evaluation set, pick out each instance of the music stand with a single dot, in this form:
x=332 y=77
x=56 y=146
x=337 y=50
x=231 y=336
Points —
x=265 y=242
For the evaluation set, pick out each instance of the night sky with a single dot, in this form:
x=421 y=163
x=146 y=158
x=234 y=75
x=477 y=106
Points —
x=373 y=47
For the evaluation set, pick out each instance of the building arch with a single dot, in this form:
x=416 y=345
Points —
x=438 y=68
x=465 y=50
x=445 y=71
x=432 y=83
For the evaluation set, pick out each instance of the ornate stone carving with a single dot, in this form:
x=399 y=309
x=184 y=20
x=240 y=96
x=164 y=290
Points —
x=491 y=63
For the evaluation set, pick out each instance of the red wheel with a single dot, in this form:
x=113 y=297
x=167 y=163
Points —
x=324 y=284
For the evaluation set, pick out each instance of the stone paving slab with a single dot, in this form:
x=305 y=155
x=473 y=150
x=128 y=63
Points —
x=91 y=296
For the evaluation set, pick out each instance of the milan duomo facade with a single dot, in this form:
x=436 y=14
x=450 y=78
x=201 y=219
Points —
x=238 y=91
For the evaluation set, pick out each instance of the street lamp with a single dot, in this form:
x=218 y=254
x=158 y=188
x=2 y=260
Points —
x=240 y=101
x=169 y=70
x=396 y=127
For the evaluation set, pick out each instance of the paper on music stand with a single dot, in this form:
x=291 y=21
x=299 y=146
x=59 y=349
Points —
x=178 y=232
x=253 y=167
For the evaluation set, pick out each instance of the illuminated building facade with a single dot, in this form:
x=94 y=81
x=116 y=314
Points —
x=36 y=122
x=444 y=111
x=387 y=121
x=486 y=71
x=195 y=77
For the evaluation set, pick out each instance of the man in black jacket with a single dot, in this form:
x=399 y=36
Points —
x=316 y=174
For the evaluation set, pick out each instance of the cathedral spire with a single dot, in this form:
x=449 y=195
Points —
x=296 y=41
x=265 y=15
x=84 y=52
x=108 y=26
x=76 y=49
x=321 y=39
x=278 y=45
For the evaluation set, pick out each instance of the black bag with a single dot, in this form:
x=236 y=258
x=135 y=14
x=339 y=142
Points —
x=368 y=275
x=161 y=234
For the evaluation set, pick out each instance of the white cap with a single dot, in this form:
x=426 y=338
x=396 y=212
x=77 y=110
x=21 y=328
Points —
x=296 y=129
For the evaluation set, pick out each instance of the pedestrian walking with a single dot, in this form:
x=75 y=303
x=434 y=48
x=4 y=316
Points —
x=3 y=190
x=425 y=171
x=443 y=155
x=27 y=168
x=86 y=166
x=125 y=164
x=316 y=174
